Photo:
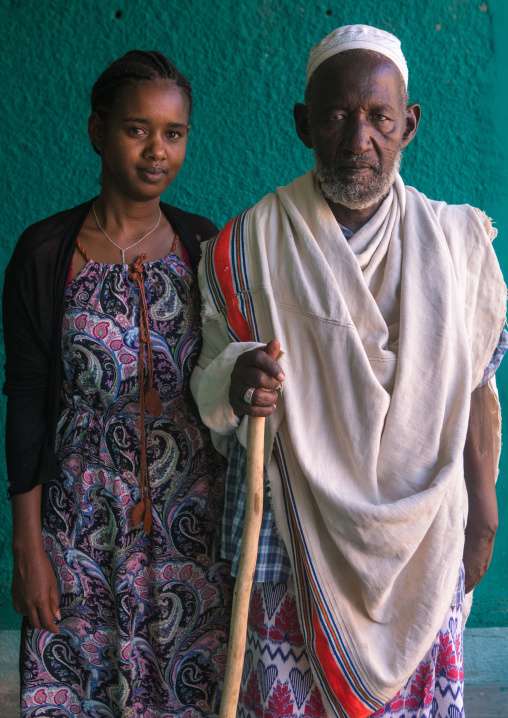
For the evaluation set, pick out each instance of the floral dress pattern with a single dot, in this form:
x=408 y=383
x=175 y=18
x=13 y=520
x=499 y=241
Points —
x=144 y=618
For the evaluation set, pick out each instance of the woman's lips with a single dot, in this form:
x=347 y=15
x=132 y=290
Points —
x=151 y=174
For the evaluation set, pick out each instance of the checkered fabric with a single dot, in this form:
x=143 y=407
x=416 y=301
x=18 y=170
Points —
x=273 y=560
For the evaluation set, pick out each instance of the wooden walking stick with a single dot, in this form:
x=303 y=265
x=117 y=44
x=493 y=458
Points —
x=247 y=566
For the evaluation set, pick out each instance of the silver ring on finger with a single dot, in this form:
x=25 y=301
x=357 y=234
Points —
x=247 y=397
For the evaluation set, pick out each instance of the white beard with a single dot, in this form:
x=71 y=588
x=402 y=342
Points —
x=352 y=194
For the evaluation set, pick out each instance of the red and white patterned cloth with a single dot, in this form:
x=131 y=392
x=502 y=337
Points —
x=277 y=679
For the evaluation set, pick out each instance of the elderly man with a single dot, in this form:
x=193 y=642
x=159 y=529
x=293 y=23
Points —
x=389 y=308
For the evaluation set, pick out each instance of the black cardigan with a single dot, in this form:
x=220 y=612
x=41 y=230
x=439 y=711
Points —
x=33 y=308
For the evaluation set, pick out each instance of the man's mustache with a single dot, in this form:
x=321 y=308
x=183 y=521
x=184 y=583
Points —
x=348 y=159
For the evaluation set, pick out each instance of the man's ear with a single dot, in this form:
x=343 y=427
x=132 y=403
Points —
x=413 y=114
x=96 y=130
x=301 y=115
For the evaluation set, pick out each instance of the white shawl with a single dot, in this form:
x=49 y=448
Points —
x=385 y=337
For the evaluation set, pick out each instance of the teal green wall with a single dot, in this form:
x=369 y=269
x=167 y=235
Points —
x=247 y=65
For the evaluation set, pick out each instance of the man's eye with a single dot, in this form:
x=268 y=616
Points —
x=380 y=118
x=136 y=131
x=174 y=135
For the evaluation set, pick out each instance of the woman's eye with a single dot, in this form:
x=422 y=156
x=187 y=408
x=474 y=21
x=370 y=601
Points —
x=136 y=131
x=174 y=135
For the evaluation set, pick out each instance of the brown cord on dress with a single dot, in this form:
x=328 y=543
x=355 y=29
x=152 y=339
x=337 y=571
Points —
x=149 y=398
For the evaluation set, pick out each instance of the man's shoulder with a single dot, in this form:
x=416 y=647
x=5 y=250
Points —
x=458 y=220
x=270 y=202
x=237 y=227
x=268 y=210
x=465 y=216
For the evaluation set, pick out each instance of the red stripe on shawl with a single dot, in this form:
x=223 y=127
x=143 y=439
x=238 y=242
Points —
x=338 y=684
x=222 y=267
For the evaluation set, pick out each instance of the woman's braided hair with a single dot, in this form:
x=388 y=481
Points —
x=133 y=67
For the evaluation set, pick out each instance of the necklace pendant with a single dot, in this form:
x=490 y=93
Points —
x=114 y=243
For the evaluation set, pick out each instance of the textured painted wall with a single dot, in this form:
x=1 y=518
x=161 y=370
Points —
x=246 y=62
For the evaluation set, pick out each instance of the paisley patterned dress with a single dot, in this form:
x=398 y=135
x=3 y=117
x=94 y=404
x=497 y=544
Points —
x=145 y=618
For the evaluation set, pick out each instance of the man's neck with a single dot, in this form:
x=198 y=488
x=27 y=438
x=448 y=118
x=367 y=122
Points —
x=353 y=219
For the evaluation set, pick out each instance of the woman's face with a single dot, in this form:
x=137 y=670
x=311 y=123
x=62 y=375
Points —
x=143 y=139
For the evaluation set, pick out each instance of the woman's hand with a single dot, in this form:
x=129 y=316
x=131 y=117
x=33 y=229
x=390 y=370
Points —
x=34 y=584
x=482 y=520
x=258 y=370
x=34 y=588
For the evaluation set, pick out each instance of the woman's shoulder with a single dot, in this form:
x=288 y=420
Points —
x=196 y=224
x=43 y=239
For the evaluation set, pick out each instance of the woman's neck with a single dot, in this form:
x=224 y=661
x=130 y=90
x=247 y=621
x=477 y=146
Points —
x=123 y=217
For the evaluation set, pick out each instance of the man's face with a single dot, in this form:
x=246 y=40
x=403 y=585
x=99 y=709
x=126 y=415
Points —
x=357 y=127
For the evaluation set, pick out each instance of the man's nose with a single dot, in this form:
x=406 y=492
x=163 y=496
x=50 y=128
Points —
x=357 y=138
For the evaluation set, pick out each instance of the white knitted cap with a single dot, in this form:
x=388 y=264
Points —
x=352 y=37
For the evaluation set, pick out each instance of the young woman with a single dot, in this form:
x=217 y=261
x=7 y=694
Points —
x=116 y=489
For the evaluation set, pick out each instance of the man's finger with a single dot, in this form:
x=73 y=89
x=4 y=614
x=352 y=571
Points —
x=250 y=410
x=268 y=365
x=259 y=397
x=255 y=378
x=272 y=350
x=259 y=359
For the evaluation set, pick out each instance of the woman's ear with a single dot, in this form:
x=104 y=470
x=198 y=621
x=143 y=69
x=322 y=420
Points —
x=96 y=130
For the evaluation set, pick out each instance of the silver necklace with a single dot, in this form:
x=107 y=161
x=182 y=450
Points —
x=126 y=249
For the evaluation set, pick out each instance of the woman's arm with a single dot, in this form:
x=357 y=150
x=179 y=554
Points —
x=479 y=474
x=34 y=585
x=28 y=323
x=28 y=329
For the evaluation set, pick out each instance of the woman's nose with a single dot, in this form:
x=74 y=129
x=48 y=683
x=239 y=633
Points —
x=155 y=148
